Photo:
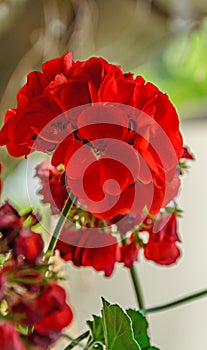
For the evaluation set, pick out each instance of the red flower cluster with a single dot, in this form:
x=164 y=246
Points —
x=100 y=249
x=161 y=246
x=31 y=298
x=117 y=136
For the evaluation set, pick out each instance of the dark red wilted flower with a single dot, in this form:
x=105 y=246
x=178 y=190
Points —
x=48 y=312
x=163 y=238
x=87 y=247
x=18 y=239
x=42 y=342
x=30 y=245
x=27 y=311
x=10 y=339
x=32 y=298
x=56 y=314
x=9 y=217
x=10 y=224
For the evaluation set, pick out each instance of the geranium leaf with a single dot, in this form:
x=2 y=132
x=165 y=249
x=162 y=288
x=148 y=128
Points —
x=96 y=328
x=140 y=326
x=117 y=328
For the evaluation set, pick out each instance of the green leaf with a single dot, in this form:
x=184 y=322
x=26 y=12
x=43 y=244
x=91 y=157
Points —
x=96 y=328
x=140 y=326
x=117 y=328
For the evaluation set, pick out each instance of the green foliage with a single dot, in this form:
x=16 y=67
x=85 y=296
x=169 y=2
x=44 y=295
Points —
x=118 y=329
x=180 y=70
x=139 y=325
x=96 y=329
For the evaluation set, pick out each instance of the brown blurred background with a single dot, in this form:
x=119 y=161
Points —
x=164 y=40
x=128 y=32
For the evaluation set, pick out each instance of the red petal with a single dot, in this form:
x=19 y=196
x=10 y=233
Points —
x=102 y=121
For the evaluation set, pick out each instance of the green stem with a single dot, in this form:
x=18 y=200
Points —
x=174 y=303
x=66 y=209
x=135 y=279
x=76 y=341
x=137 y=287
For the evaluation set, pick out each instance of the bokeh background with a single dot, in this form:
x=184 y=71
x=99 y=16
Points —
x=166 y=42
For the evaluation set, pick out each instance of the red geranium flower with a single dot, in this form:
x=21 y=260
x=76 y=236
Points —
x=117 y=136
x=162 y=245
x=89 y=247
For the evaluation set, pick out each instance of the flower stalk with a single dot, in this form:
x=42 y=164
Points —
x=137 y=287
x=66 y=209
x=75 y=342
x=174 y=303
